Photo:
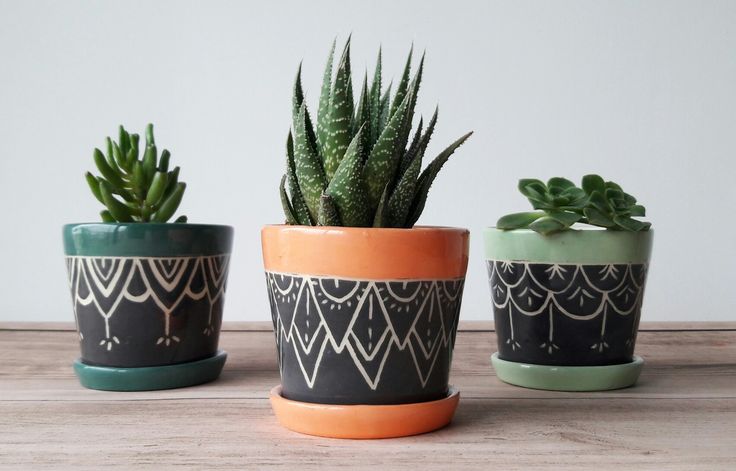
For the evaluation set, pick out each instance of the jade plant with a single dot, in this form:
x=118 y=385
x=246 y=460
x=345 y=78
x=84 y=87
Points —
x=358 y=166
x=560 y=203
x=133 y=189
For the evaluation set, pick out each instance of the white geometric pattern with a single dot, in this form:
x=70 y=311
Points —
x=579 y=291
x=106 y=281
x=365 y=320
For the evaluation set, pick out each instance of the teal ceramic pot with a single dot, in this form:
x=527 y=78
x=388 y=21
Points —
x=146 y=294
x=571 y=299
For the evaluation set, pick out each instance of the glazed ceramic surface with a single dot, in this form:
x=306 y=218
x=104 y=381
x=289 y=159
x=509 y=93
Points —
x=569 y=299
x=364 y=316
x=147 y=294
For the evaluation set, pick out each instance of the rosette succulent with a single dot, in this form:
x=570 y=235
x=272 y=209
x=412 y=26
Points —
x=560 y=204
x=359 y=165
x=133 y=189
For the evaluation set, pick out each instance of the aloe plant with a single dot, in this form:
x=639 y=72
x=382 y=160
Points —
x=133 y=189
x=560 y=204
x=358 y=166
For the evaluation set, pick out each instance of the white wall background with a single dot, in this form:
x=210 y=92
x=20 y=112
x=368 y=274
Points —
x=643 y=92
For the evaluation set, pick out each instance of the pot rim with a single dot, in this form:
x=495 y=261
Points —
x=419 y=253
x=147 y=224
x=112 y=239
x=577 y=246
x=348 y=229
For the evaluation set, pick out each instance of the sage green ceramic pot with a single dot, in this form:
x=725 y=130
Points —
x=567 y=302
x=147 y=296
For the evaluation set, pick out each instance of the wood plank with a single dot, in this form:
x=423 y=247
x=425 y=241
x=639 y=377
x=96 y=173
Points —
x=36 y=366
x=681 y=415
x=508 y=434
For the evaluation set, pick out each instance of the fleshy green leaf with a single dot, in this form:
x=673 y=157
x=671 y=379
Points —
x=565 y=218
x=593 y=183
x=599 y=201
x=94 y=186
x=111 y=175
x=547 y=225
x=170 y=204
x=106 y=216
x=118 y=210
x=560 y=184
x=156 y=190
x=637 y=210
x=597 y=218
x=631 y=224
x=518 y=220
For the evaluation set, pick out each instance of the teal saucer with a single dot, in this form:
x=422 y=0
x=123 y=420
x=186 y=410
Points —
x=568 y=378
x=149 y=378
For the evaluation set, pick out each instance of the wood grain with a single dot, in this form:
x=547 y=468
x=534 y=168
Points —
x=681 y=415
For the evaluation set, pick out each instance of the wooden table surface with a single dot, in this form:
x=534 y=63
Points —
x=681 y=415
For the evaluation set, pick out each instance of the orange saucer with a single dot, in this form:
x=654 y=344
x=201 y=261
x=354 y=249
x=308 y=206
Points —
x=364 y=421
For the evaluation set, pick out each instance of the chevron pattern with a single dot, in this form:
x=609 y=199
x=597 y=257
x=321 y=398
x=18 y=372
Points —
x=364 y=322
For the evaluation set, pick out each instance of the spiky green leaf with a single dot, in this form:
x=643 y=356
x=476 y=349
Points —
x=362 y=119
x=340 y=115
x=403 y=87
x=308 y=167
x=399 y=204
x=375 y=102
x=324 y=102
x=427 y=178
x=286 y=204
x=347 y=188
x=384 y=158
x=300 y=210
x=328 y=214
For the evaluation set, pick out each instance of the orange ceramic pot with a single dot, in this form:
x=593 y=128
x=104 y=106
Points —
x=364 y=315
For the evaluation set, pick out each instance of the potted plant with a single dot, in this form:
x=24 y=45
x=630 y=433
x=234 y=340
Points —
x=364 y=304
x=567 y=299
x=148 y=295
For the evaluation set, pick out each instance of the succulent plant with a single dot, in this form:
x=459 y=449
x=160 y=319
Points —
x=357 y=166
x=561 y=204
x=134 y=190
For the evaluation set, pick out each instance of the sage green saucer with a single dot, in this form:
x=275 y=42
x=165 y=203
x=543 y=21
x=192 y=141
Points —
x=149 y=378
x=568 y=378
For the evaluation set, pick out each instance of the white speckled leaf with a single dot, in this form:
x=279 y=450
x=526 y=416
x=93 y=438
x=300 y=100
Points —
x=383 y=160
x=308 y=166
x=340 y=115
x=347 y=188
x=324 y=101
